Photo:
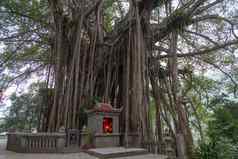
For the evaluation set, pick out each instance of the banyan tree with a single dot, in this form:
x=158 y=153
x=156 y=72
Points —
x=128 y=53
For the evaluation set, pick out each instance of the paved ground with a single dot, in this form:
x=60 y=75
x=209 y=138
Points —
x=12 y=155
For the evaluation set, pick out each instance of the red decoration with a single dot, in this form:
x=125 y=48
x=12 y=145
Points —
x=107 y=125
x=104 y=107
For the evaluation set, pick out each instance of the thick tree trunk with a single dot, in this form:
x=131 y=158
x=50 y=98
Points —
x=90 y=66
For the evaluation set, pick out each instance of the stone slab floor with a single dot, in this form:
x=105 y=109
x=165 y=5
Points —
x=12 y=155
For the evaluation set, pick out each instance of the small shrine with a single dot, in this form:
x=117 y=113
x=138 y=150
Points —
x=103 y=122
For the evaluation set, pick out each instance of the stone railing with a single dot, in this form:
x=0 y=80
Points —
x=166 y=147
x=153 y=147
x=36 y=143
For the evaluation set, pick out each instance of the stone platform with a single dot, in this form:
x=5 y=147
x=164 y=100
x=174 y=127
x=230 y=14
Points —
x=4 y=154
x=114 y=152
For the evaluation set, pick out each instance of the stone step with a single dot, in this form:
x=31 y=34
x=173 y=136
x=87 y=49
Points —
x=114 y=152
x=147 y=156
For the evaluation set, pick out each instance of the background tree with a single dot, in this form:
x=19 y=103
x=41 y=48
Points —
x=222 y=132
x=24 y=111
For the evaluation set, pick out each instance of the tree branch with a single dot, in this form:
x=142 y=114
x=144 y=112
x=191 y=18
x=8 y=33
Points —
x=221 y=70
x=202 y=52
x=26 y=73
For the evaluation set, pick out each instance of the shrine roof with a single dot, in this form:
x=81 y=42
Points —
x=104 y=107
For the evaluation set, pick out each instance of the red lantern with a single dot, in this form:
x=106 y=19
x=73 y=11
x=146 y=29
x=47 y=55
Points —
x=107 y=125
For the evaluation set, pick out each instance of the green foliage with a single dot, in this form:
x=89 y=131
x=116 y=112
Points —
x=152 y=113
x=109 y=13
x=24 y=39
x=200 y=91
x=224 y=125
x=178 y=20
x=24 y=110
x=89 y=137
x=215 y=150
x=222 y=132
x=82 y=117
x=217 y=115
x=95 y=100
